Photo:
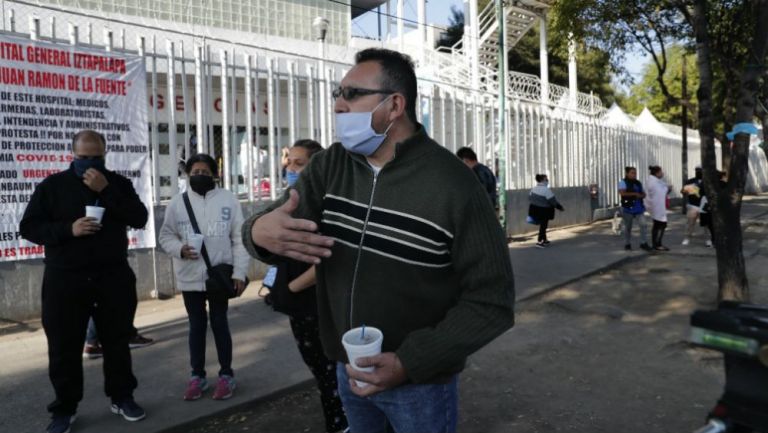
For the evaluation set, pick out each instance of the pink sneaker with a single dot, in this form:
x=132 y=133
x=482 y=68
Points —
x=195 y=388
x=225 y=387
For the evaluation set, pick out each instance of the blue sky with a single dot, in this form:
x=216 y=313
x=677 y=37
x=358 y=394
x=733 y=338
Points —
x=438 y=13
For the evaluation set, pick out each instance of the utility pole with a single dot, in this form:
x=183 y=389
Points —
x=685 y=126
x=502 y=115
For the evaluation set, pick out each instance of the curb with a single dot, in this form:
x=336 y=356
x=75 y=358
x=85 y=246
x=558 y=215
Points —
x=613 y=265
x=746 y=223
x=188 y=425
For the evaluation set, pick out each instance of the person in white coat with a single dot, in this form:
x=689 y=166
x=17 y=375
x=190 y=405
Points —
x=656 y=204
x=219 y=218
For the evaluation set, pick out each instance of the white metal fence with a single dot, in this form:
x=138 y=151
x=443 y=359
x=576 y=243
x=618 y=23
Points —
x=244 y=104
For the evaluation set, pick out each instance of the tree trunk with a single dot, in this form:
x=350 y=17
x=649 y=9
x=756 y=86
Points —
x=762 y=111
x=731 y=270
x=726 y=206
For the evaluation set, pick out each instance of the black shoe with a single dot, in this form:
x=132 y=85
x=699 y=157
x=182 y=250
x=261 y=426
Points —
x=546 y=243
x=128 y=409
x=628 y=247
x=541 y=245
x=139 y=340
x=60 y=424
x=646 y=247
x=661 y=248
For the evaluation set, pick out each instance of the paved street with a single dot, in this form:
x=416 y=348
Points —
x=265 y=359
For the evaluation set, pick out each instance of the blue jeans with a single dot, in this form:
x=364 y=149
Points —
x=90 y=336
x=431 y=408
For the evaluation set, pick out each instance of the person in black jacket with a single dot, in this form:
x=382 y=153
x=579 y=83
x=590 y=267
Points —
x=86 y=274
x=542 y=207
x=483 y=173
x=293 y=293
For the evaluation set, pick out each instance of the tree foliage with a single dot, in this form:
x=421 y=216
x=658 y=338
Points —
x=730 y=39
x=455 y=31
x=646 y=92
x=594 y=66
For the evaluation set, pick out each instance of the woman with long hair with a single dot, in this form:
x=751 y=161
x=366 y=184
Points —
x=292 y=292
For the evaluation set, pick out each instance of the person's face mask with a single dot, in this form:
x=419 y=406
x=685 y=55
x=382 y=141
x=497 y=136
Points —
x=291 y=177
x=81 y=165
x=201 y=183
x=356 y=133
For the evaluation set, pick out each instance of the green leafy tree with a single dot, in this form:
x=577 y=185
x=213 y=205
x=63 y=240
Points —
x=646 y=92
x=730 y=39
x=455 y=31
x=594 y=67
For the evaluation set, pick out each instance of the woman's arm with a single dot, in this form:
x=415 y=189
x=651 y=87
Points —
x=303 y=281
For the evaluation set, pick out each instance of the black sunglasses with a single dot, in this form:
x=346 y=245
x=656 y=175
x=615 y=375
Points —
x=352 y=93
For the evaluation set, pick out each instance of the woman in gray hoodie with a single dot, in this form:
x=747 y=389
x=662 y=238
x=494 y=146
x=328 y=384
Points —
x=219 y=217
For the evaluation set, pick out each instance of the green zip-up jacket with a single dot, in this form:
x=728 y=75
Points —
x=418 y=254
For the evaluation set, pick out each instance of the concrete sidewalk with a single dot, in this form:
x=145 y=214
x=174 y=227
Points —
x=265 y=358
x=581 y=251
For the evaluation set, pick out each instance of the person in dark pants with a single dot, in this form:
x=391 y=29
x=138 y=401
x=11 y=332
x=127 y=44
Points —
x=632 y=208
x=542 y=207
x=294 y=294
x=86 y=274
x=219 y=217
x=656 y=204
x=483 y=173
x=93 y=348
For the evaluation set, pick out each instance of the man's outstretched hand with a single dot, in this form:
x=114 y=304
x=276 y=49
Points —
x=280 y=233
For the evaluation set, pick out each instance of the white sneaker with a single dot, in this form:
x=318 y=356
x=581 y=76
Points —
x=686 y=241
x=709 y=244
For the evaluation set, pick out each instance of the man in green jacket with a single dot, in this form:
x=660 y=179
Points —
x=405 y=240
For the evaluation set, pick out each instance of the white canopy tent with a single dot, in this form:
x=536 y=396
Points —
x=648 y=123
x=615 y=116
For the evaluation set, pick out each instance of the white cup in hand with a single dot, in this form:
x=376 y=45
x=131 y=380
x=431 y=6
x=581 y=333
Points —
x=359 y=346
x=195 y=241
x=95 y=212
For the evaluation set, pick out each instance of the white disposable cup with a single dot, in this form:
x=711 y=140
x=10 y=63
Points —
x=96 y=212
x=195 y=241
x=356 y=347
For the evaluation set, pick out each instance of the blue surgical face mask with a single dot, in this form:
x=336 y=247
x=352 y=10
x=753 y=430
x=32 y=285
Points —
x=291 y=177
x=82 y=165
x=356 y=132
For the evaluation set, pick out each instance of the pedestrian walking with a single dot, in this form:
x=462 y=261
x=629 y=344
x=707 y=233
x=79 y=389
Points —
x=693 y=190
x=86 y=275
x=632 y=208
x=427 y=271
x=542 y=207
x=656 y=203
x=215 y=214
x=484 y=174
x=292 y=292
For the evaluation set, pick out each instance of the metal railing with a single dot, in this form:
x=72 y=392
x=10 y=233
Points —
x=245 y=104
